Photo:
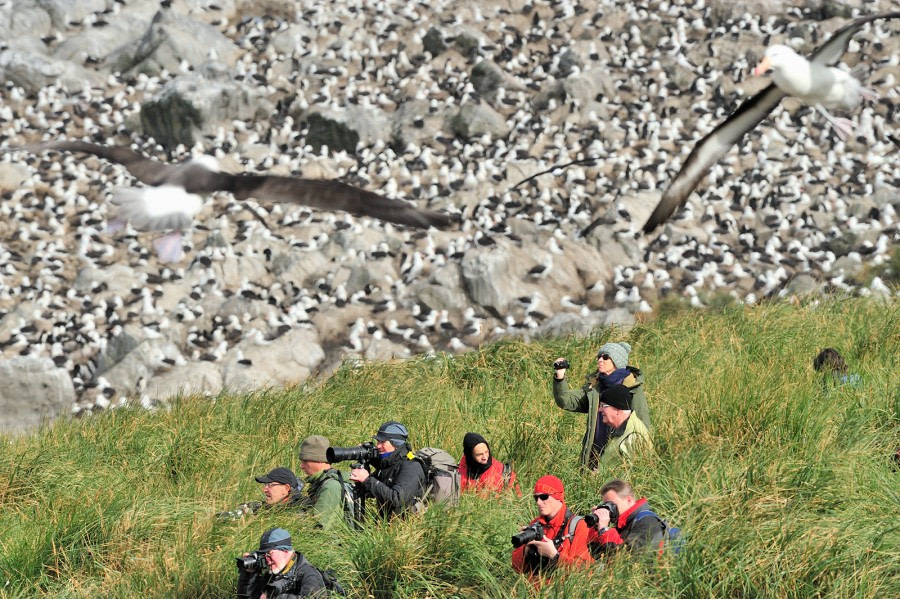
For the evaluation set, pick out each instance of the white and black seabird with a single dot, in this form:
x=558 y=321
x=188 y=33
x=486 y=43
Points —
x=818 y=85
x=171 y=201
x=749 y=114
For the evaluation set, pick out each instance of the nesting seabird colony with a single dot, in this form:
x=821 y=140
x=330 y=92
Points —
x=617 y=91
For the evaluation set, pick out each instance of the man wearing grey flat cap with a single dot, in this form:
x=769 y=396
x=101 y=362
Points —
x=398 y=479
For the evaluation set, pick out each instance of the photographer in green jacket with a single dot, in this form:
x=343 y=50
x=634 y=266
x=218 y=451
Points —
x=324 y=484
x=612 y=369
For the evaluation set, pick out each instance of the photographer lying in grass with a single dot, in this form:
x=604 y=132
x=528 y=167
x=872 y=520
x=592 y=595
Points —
x=275 y=570
x=280 y=487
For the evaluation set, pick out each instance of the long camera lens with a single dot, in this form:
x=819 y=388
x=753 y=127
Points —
x=360 y=453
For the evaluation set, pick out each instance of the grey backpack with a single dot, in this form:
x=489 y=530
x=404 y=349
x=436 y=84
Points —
x=442 y=480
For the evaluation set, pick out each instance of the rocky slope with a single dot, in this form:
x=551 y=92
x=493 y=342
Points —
x=478 y=109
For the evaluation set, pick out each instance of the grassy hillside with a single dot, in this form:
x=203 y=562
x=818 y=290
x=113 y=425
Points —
x=782 y=489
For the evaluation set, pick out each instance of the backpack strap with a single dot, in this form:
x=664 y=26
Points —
x=643 y=513
x=567 y=531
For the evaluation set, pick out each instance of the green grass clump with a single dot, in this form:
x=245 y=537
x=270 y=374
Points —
x=782 y=489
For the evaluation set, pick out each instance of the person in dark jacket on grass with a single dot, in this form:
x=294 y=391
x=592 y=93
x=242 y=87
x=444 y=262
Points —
x=830 y=363
x=631 y=524
x=398 y=479
x=287 y=574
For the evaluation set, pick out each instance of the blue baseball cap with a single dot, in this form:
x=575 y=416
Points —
x=275 y=538
x=392 y=431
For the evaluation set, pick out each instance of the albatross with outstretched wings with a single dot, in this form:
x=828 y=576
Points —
x=748 y=115
x=171 y=201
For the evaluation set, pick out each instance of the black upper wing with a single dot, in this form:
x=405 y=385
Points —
x=334 y=195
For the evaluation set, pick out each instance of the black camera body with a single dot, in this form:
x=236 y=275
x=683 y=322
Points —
x=532 y=532
x=255 y=562
x=362 y=454
x=560 y=364
x=591 y=519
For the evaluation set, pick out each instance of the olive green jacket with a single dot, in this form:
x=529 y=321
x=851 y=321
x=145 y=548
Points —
x=634 y=439
x=324 y=496
x=586 y=400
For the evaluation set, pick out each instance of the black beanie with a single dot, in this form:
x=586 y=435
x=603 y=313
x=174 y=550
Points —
x=617 y=396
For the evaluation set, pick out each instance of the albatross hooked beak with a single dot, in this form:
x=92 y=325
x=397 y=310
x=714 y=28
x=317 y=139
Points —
x=764 y=65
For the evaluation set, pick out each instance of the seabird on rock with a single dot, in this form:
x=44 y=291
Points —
x=749 y=114
x=172 y=200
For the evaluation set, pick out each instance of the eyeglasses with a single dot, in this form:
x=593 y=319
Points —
x=603 y=357
x=542 y=496
x=273 y=484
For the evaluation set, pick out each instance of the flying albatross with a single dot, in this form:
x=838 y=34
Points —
x=812 y=81
x=171 y=200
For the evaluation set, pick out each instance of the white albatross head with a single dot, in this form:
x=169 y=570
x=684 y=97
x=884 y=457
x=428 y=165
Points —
x=776 y=57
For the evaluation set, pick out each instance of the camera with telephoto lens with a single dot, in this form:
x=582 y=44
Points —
x=362 y=454
x=251 y=507
x=591 y=519
x=255 y=562
x=560 y=364
x=532 y=532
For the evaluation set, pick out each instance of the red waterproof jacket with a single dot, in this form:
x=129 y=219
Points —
x=490 y=480
x=631 y=531
x=572 y=551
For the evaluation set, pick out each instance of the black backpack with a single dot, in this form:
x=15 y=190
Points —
x=672 y=538
x=331 y=582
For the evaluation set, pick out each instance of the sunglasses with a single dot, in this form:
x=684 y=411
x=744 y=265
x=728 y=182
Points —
x=542 y=496
x=603 y=357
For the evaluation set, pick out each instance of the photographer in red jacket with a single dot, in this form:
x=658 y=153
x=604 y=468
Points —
x=557 y=537
x=623 y=521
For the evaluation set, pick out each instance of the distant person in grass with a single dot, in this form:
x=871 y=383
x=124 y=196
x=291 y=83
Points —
x=324 y=484
x=280 y=488
x=836 y=373
x=287 y=573
x=632 y=524
x=560 y=546
x=612 y=369
x=479 y=471
x=398 y=479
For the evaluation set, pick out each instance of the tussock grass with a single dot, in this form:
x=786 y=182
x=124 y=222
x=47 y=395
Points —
x=782 y=489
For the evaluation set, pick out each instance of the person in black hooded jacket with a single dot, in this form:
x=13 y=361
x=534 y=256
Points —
x=478 y=470
x=398 y=479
